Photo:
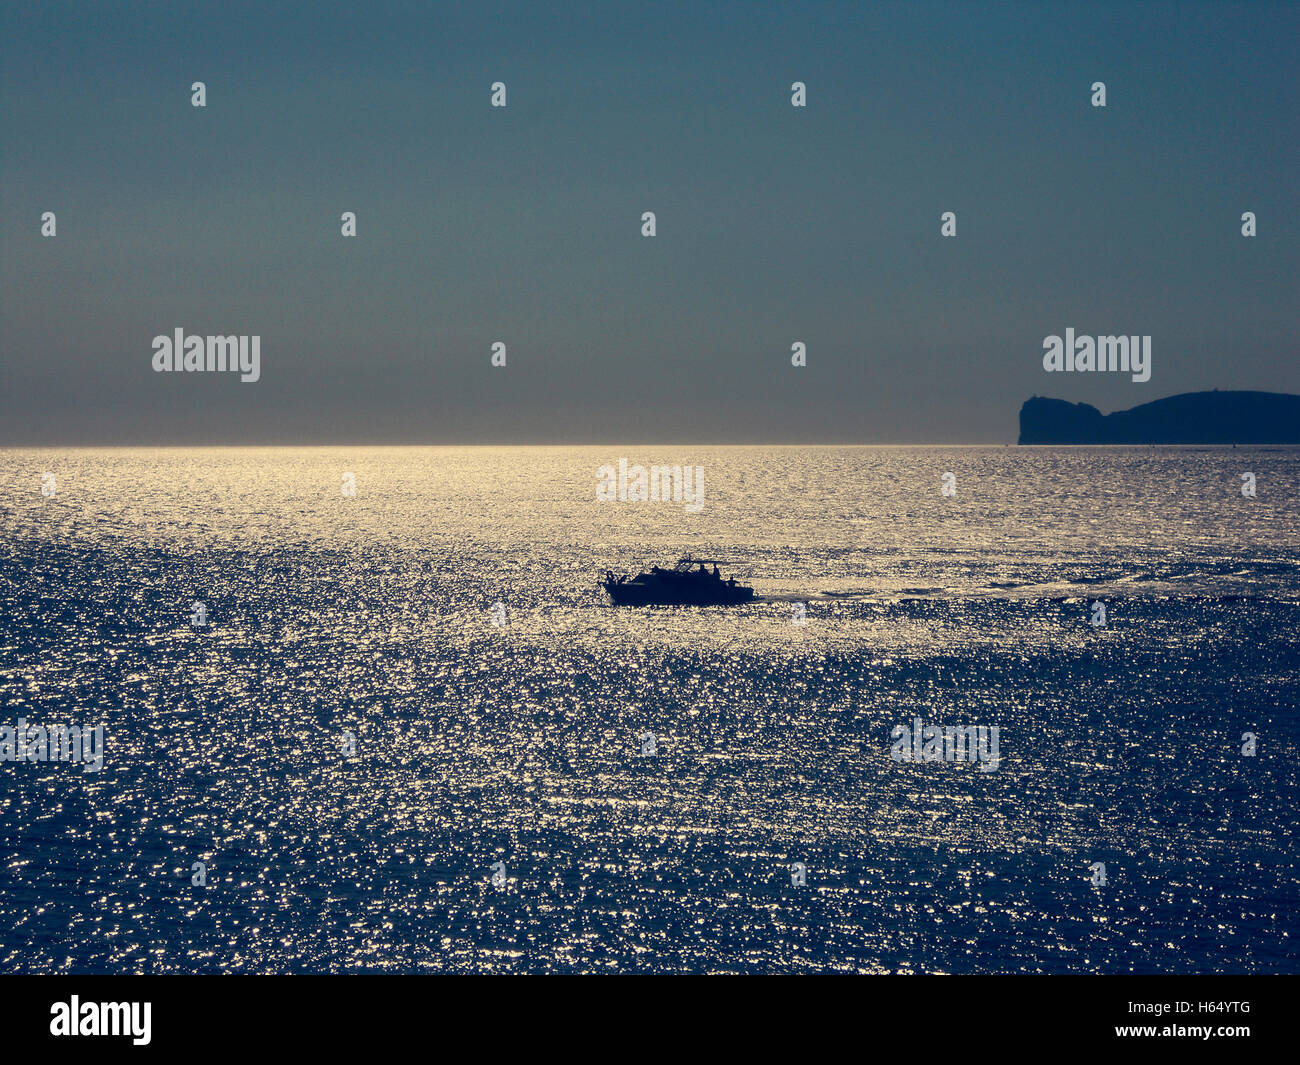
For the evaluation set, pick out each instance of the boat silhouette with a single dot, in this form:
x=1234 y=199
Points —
x=688 y=583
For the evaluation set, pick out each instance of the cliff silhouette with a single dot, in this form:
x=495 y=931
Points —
x=1190 y=418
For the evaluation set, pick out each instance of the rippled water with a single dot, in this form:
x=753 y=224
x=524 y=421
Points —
x=479 y=744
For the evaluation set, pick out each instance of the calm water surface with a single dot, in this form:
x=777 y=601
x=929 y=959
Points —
x=518 y=744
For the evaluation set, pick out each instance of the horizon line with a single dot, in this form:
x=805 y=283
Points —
x=643 y=445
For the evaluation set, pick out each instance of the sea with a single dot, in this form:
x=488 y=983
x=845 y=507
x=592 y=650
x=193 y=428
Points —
x=369 y=710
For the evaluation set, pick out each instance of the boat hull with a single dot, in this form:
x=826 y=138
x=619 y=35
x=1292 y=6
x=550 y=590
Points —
x=634 y=593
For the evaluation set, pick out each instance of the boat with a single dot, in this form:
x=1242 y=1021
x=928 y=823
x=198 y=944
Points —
x=688 y=583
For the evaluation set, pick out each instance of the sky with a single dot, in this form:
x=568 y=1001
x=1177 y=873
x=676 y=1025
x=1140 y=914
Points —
x=523 y=224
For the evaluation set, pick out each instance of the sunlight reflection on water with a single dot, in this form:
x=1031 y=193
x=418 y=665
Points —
x=518 y=744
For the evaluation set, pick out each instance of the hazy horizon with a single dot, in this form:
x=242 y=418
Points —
x=611 y=442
